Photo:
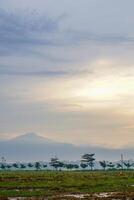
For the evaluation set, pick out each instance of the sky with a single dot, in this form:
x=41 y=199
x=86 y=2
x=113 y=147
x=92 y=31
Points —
x=67 y=70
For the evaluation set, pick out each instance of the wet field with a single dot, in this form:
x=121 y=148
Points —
x=49 y=185
x=100 y=196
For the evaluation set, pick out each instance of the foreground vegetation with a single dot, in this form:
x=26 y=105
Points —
x=49 y=183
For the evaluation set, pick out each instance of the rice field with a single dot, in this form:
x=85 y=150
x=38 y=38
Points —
x=53 y=184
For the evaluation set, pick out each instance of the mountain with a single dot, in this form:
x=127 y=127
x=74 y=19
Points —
x=30 y=138
x=32 y=147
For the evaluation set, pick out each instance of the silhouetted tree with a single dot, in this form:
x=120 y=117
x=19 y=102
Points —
x=83 y=165
x=128 y=165
x=69 y=166
x=30 y=165
x=76 y=166
x=22 y=166
x=15 y=165
x=3 y=163
x=3 y=166
x=119 y=166
x=111 y=165
x=89 y=160
x=61 y=165
x=37 y=165
x=103 y=164
x=45 y=166
x=8 y=166
x=55 y=163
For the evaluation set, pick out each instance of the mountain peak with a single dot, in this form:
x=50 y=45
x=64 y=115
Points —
x=30 y=137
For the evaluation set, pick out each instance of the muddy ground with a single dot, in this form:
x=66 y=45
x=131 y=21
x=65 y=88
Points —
x=101 y=196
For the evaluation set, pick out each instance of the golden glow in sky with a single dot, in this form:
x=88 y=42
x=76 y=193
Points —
x=98 y=91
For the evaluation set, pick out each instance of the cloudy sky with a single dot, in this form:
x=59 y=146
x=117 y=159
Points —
x=67 y=70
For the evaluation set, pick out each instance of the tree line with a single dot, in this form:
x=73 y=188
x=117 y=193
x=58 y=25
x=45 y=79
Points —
x=87 y=162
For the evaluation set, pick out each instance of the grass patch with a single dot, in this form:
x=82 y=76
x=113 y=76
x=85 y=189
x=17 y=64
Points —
x=49 y=183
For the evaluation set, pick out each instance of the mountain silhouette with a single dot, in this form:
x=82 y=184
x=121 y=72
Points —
x=31 y=138
x=33 y=147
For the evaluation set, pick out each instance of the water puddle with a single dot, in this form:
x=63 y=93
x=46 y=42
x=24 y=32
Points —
x=77 y=196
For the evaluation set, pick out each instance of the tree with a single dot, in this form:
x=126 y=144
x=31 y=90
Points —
x=3 y=166
x=89 y=160
x=119 y=166
x=128 y=165
x=55 y=163
x=69 y=166
x=8 y=166
x=103 y=164
x=22 y=166
x=3 y=163
x=30 y=165
x=45 y=166
x=37 y=165
x=76 y=166
x=61 y=165
x=111 y=165
x=15 y=165
x=83 y=165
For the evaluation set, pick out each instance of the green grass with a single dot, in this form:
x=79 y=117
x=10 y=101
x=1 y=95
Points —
x=48 y=183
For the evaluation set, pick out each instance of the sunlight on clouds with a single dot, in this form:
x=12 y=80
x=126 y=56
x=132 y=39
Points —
x=106 y=87
x=97 y=91
x=81 y=93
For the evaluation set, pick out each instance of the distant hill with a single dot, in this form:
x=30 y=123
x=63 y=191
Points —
x=32 y=147
x=31 y=138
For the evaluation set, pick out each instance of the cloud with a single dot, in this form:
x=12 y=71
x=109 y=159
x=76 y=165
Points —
x=9 y=71
x=40 y=72
x=88 y=36
x=19 y=31
x=23 y=32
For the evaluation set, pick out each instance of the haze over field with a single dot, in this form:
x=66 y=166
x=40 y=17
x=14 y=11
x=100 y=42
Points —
x=67 y=71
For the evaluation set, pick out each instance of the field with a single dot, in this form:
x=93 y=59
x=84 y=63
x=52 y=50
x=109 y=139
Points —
x=52 y=184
